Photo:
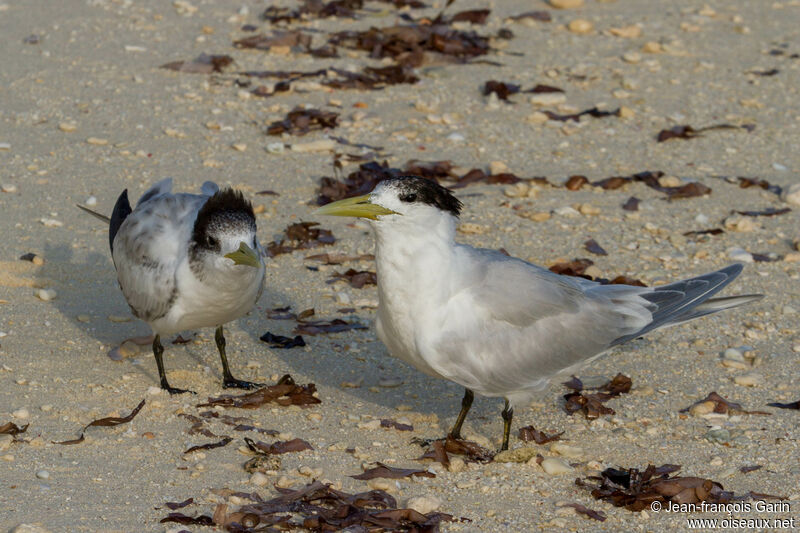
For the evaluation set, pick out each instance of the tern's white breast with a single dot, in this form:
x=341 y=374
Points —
x=213 y=301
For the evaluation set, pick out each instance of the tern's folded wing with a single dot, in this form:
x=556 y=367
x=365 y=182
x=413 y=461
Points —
x=149 y=247
x=518 y=292
x=515 y=325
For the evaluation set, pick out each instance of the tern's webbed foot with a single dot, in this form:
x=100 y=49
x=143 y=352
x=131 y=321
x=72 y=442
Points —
x=233 y=383
x=175 y=390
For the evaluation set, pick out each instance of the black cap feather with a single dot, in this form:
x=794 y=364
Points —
x=414 y=189
x=227 y=208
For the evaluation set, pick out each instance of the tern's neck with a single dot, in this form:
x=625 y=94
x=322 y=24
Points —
x=412 y=254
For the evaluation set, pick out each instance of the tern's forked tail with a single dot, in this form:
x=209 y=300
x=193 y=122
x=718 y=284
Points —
x=686 y=300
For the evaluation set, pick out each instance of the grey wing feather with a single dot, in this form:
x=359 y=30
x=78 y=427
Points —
x=533 y=324
x=689 y=299
x=162 y=187
x=209 y=188
x=98 y=216
x=527 y=324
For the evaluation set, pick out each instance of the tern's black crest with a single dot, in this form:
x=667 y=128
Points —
x=226 y=209
x=413 y=189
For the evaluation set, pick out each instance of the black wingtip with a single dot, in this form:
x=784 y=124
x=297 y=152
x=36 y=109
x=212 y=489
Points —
x=121 y=211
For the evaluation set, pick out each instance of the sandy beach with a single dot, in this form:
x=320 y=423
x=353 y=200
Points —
x=671 y=97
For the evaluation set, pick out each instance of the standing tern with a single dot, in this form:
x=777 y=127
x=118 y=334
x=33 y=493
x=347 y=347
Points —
x=187 y=261
x=498 y=325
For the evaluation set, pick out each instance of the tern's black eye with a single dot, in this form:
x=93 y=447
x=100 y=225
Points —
x=212 y=242
x=409 y=197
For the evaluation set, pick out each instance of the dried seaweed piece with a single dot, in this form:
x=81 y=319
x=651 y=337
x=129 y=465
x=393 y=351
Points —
x=285 y=313
x=593 y=112
x=530 y=433
x=336 y=325
x=473 y=16
x=592 y=404
x=768 y=212
x=279 y=341
x=471 y=450
x=278 y=447
x=723 y=406
x=357 y=183
x=236 y=423
x=389 y=423
x=202 y=64
x=576 y=267
x=765 y=258
x=372 y=78
x=636 y=490
x=592 y=246
x=209 y=446
x=502 y=89
x=539 y=88
x=690 y=190
x=321 y=508
x=105 y=422
x=582 y=509
x=313 y=9
x=356 y=278
x=750 y=468
x=770 y=72
x=791 y=405
x=745 y=183
x=10 y=428
x=285 y=392
x=612 y=183
x=300 y=236
x=173 y=506
x=300 y=121
x=408 y=43
x=686 y=131
x=383 y=471
x=293 y=38
x=631 y=204
x=180 y=340
x=625 y=280
x=712 y=231
x=198 y=426
x=541 y=16
x=180 y=518
x=338 y=259
x=575 y=182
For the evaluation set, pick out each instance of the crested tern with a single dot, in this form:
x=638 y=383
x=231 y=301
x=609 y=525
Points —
x=187 y=261
x=497 y=325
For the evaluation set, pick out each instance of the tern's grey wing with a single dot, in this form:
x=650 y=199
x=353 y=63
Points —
x=516 y=325
x=162 y=187
x=209 y=188
x=149 y=247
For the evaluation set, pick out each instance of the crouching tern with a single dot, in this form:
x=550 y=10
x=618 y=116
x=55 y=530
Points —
x=497 y=325
x=187 y=261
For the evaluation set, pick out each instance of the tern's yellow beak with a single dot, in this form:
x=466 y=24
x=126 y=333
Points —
x=360 y=206
x=245 y=256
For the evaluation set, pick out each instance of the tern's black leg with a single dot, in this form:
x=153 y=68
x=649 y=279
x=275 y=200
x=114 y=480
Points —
x=466 y=403
x=228 y=380
x=158 y=351
x=507 y=414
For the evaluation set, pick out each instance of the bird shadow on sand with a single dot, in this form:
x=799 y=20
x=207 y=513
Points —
x=355 y=368
x=88 y=294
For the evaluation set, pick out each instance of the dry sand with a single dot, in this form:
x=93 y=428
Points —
x=85 y=111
